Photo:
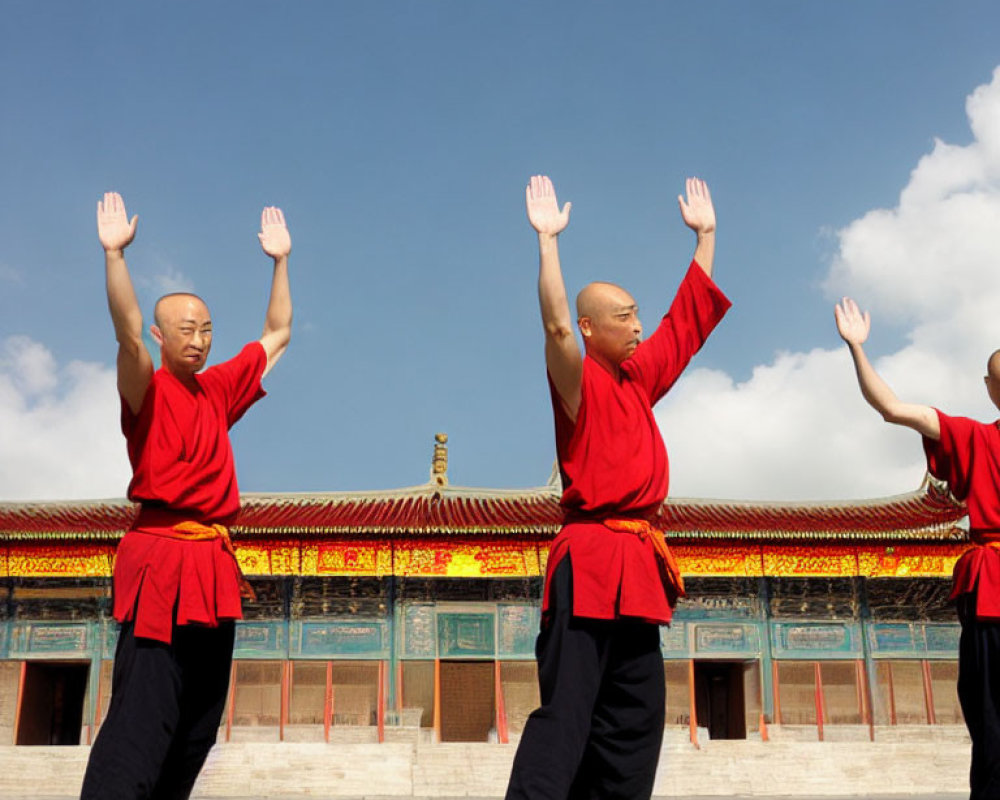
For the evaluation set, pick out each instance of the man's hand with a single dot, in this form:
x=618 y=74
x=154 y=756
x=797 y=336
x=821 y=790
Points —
x=854 y=328
x=277 y=243
x=274 y=237
x=543 y=208
x=697 y=211
x=852 y=325
x=113 y=226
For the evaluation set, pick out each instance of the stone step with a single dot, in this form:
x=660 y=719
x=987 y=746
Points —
x=409 y=770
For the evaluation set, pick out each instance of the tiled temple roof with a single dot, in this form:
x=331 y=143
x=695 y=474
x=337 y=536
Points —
x=436 y=508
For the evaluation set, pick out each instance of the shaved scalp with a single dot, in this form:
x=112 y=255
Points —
x=993 y=365
x=597 y=296
x=167 y=300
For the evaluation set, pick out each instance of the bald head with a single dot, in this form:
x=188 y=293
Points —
x=172 y=307
x=609 y=321
x=993 y=365
x=601 y=297
x=183 y=330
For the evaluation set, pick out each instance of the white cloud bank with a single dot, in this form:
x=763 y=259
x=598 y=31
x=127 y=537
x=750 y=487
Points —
x=798 y=428
x=59 y=434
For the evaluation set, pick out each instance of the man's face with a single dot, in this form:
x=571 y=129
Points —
x=184 y=333
x=612 y=329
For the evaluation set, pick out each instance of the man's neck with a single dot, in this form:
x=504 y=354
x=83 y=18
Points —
x=186 y=378
x=613 y=368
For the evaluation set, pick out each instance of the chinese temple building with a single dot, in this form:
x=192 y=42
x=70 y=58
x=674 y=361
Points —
x=413 y=612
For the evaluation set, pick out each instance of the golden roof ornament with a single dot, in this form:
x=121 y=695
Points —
x=439 y=463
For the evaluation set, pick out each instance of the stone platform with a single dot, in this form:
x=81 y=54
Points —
x=419 y=769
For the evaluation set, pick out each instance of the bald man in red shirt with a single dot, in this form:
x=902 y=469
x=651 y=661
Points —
x=965 y=454
x=610 y=581
x=177 y=585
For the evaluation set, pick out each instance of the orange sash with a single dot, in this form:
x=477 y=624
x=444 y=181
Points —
x=196 y=532
x=670 y=571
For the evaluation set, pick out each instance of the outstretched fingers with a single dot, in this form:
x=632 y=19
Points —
x=274 y=237
x=852 y=325
x=114 y=229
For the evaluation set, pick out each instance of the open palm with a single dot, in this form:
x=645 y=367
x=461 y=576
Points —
x=274 y=237
x=697 y=210
x=114 y=229
x=543 y=207
x=852 y=325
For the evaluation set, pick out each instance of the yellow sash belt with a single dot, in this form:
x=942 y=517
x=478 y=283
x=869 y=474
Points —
x=670 y=570
x=196 y=532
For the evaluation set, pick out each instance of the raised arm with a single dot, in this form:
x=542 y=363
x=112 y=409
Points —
x=562 y=353
x=135 y=367
x=277 y=243
x=699 y=215
x=854 y=327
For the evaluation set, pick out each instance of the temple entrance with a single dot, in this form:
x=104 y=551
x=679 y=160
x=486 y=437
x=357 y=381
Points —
x=468 y=711
x=52 y=702
x=719 y=701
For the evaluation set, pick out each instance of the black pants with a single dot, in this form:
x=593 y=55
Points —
x=979 y=695
x=598 y=731
x=166 y=705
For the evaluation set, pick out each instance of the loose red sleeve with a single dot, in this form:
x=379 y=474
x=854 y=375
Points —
x=950 y=458
x=239 y=380
x=697 y=308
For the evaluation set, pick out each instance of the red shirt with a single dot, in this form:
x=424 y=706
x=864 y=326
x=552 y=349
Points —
x=968 y=458
x=183 y=470
x=614 y=464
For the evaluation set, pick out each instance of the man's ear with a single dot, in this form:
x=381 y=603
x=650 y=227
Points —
x=584 y=324
x=157 y=334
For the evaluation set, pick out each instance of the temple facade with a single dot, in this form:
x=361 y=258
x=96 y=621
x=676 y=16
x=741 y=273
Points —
x=413 y=612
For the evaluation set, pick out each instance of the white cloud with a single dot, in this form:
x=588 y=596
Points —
x=798 y=427
x=59 y=433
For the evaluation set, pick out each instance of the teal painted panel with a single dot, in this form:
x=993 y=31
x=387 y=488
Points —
x=716 y=608
x=815 y=640
x=39 y=639
x=896 y=637
x=943 y=638
x=261 y=640
x=465 y=635
x=519 y=624
x=4 y=639
x=914 y=640
x=419 y=639
x=729 y=639
x=339 y=639
x=674 y=641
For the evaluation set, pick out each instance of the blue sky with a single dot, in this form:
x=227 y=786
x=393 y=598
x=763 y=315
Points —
x=398 y=137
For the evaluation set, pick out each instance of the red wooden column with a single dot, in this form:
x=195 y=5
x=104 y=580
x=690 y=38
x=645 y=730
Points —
x=380 y=702
x=693 y=711
x=20 y=698
x=820 y=702
x=286 y=676
x=328 y=702
x=437 y=699
x=501 y=708
x=928 y=692
x=864 y=698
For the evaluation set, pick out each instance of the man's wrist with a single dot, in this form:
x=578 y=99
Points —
x=705 y=235
x=547 y=239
